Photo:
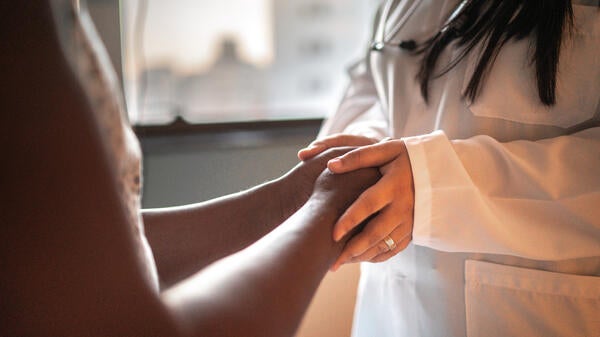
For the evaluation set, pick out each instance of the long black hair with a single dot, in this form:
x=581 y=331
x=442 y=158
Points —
x=493 y=23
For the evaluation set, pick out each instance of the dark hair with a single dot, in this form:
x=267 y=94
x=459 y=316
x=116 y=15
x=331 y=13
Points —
x=493 y=23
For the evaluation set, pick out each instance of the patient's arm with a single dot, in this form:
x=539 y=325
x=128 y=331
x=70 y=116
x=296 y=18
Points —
x=187 y=238
x=264 y=289
x=70 y=261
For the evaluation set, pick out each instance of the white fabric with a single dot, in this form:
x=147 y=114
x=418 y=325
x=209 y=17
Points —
x=515 y=198
x=538 y=294
x=505 y=180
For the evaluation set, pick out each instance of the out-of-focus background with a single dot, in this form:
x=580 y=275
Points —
x=223 y=94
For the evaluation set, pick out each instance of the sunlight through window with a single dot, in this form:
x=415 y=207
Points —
x=239 y=60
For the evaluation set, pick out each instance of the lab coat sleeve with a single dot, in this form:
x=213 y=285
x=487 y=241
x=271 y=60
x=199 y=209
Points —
x=359 y=112
x=533 y=199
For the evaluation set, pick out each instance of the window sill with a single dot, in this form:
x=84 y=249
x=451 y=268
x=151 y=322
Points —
x=183 y=136
x=181 y=127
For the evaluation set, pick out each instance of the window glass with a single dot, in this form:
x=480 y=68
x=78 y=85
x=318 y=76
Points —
x=212 y=61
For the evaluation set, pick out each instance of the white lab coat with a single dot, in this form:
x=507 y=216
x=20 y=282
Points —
x=506 y=238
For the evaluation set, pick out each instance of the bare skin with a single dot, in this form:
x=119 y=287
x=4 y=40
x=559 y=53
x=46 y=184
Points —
x=69 y=258
x=208 y=231
x=389 y=204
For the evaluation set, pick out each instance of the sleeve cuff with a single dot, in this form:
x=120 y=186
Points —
x=424 y=152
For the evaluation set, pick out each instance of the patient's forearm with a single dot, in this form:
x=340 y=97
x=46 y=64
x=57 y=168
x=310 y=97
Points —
x=186 y=239
x=265 y=289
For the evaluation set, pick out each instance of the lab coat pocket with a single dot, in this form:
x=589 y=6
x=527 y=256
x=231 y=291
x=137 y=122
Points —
x=511 y=301
x=513 y=75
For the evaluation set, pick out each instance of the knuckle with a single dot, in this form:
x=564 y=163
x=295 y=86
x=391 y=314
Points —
x=376 y=236
x=373 y=240
x=352 y=250
x=358 y=157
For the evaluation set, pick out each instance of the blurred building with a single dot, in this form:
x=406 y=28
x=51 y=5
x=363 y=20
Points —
x=313 y=42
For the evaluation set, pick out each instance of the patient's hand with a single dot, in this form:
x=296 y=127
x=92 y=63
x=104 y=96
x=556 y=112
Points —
x=389 y=203
x=337 y=192
x=300 y=181
x=317 y=154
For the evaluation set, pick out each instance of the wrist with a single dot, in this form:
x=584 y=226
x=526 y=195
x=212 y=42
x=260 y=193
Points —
x=327 y=208
x=287 y=195
x=325 y=211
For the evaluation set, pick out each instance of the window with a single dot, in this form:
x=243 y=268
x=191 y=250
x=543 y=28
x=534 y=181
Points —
x=209 y=61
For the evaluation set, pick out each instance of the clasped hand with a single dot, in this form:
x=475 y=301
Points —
x=388 y=204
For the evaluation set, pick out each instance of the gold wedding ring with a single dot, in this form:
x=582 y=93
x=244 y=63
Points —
x=389 y=242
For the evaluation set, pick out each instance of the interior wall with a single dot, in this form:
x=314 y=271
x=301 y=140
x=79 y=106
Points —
x=191 y=168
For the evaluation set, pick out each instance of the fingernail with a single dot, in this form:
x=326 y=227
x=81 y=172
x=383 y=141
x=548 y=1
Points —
x=338 y=236
x=307 y=150
x=333 y=163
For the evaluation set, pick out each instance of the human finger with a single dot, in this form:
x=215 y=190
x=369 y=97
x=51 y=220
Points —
x=336 y=140
x=378 y=248
x=386 y=244
x=369 y=202
x=400 y=246
x=398 y=214
x=367 y=156
x=375 y=231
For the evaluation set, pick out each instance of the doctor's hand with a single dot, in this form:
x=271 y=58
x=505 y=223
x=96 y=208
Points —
x=390 y=201
x=298 y=184
x=336 y=140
